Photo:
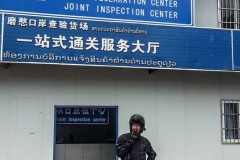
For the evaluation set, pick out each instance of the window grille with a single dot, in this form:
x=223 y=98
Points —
x=230 y=121
x=229 y=14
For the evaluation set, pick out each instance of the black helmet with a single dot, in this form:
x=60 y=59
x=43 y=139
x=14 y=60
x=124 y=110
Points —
x=137 y=119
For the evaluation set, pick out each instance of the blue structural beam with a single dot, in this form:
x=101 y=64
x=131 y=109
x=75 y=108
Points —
x=236 y=50
x=1 y=29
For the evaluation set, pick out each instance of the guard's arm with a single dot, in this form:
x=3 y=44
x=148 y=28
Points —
x=150 y=152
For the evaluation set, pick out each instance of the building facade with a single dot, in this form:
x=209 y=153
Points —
x=191 y=114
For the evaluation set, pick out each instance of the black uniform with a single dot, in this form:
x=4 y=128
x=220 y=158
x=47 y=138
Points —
x=131 y=147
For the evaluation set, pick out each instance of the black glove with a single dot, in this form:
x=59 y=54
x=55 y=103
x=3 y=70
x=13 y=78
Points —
x=133 y=139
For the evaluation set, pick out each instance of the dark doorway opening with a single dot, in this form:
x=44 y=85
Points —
x=85 y=126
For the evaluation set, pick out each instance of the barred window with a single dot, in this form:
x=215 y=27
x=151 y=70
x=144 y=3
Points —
x=230 y=121
x=229 y=14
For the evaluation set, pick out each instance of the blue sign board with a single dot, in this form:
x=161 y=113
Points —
x=236 y=51
x=53 y=40
x=82 y=115
x=142 y=11
x=1 y=37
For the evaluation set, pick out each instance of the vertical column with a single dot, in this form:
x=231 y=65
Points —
x=1 y=34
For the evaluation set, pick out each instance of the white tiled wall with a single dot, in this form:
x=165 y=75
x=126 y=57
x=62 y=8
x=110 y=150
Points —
x=85 y=152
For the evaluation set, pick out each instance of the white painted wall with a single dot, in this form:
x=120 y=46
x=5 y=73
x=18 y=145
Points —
x=181 y=108
x=206 y=13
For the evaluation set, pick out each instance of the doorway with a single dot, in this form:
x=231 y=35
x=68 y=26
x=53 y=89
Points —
x=85 y=132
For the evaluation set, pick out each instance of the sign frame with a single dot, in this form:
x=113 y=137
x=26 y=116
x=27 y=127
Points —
x=155 y=13
x=84 y=115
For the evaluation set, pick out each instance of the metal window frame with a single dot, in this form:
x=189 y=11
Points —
x=233 y=7
x=223 y=129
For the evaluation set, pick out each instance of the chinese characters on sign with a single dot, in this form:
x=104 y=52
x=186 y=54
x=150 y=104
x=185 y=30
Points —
x=82 y=115
x=76 y=41
x=81 y=43
x=24 y=22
